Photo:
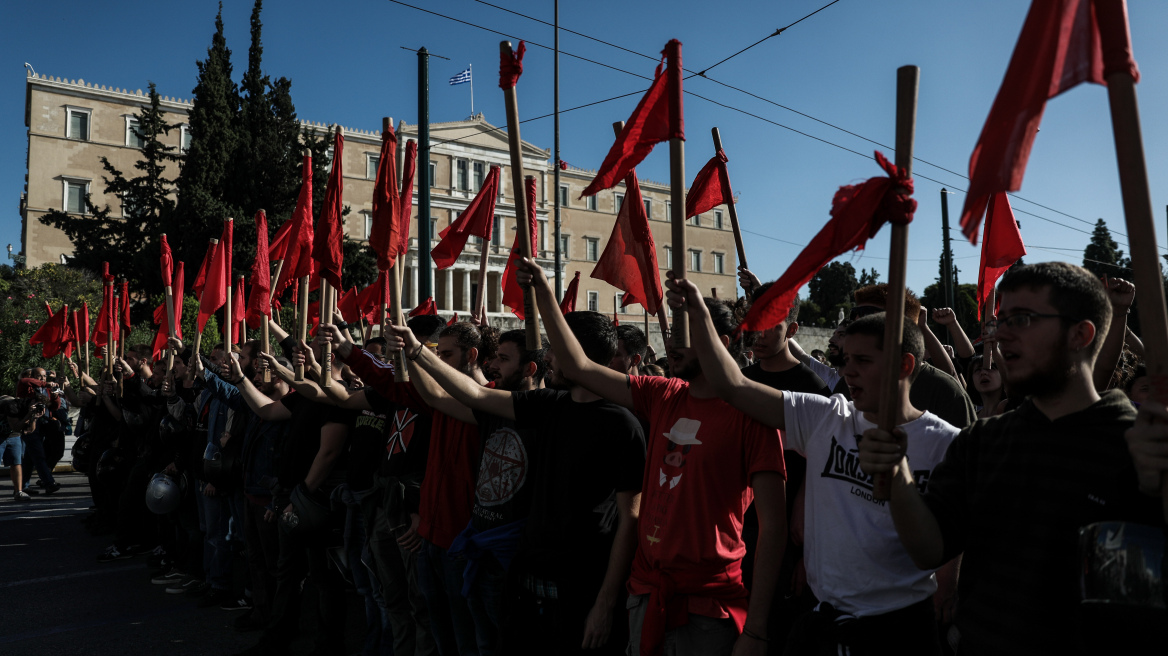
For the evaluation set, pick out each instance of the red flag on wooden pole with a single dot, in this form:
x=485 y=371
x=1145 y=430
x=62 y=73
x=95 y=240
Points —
x=629 y=262
x=657 y=118
x=259 y=306
x=238 y=312
x=83 y=324
x=477 y=220
x=427 y=307
x=1058 y=49
x=74 y=331
x=278 y=248
x=383 y=233
x=166 y=263
x=215 y=290
x=201 y=276
x=1001 y=247
x=327 y=246
x=297 y=258
x=710 y=188
x=405 y=207
x=51 y=333
x=512 y=292
x=568 y=302
x=124 y=305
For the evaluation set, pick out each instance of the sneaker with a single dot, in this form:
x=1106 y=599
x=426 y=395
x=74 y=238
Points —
x=52 y=487
x=216 y=597
x=31 y=491
x=182 y=585
x=19 y=497
x=199 y=589
x=242 y=603
x=140 y=549
x=39 y=483
x=111 y=554
x=173 y=576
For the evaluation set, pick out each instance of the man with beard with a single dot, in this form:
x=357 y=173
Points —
x=706 y=461
x=1014 y=490
x=447 y=490
x=565 y=585
x=631 y=346
x=867 y=585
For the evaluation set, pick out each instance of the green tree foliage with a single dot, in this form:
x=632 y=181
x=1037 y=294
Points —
x=869 y=277
x=831 y=289
x=203 y=200
x=965 y=307
x=129 y=242
x=1103 y=257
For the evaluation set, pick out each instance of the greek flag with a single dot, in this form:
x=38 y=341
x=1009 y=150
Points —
x=461 y=78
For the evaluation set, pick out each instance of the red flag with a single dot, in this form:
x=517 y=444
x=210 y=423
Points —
x=1059 y=48
x=428 y=307
x=710 y=188
x=48 y=310
x=512 y=292
x=279 y=244
x=160 y=335
x=629 y=262
x=162 y=321
x=83 y=324
x=259 y=305
x=348 y=305
x=166 y=263
x=215 y=292
x=238 y=310
x=405 y=200
x=477 y=220
x=327 y=244
x=74 y=331
x=52 y=333
x=658 y=117
x=297 y=259
x=1001 y=247
x=369 y=299
x=179 y=281
x=568 y=303
x=124 y=306
x=453 y=320
x=384 y=287
x=201 y=276
x=383 y=234
x=857 y=212
x=107 y=323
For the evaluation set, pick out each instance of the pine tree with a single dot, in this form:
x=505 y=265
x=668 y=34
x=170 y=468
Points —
x=831 y=289
x=1103 y=257
x=203 y=202
x=129 y=241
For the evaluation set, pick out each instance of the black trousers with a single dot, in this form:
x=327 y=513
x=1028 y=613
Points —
x=909 y=630
x=301 y=554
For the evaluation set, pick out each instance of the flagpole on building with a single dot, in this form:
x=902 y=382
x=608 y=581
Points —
x=470 y=68
x=556 y=171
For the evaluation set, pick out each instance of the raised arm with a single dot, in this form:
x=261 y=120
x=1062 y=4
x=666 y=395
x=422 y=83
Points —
x=570 y=357
x=934 y=346
x=1121 y=293
x=757 y=401
x=439 y=381
x=961 y=344
x=264 y=407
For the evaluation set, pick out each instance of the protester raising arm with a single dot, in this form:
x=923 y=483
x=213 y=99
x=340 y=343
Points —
x=961 y=344
x=264 y=407
x=570 y=357
x=762 y=403
x=1121 y=293
x=456 y=391
x=933 y=346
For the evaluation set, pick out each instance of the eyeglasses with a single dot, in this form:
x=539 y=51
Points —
x=1016 y=321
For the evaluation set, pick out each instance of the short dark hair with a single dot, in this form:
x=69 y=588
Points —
x=878 y=295
x=1075 y=293
x=252 y=348
x=466 y=335
x=426 y=327
x=792 y=316
x=377 y=340
x=634 y=338
x=596 y=334
x=488 y=343
x=722 y=313
x=519 y=339
x=873 y=326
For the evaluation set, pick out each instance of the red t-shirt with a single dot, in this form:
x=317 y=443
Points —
x=452 y=463
x=701 y=455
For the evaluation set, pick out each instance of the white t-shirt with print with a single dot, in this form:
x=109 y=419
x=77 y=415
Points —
x=854 y=558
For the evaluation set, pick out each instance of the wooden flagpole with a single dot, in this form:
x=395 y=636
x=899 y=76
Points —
x=522 y=229
x=730 y=206
x=241 y=320
x=265 y=331
x=199 y=335
x=1137 y=208
x=481 y=294
x=326 y=348
x=989 y=312
x=227 y=318
x=907 y=80
x=119 y=345
x=397 y=272
x=680 y=332
x=109 y=342
x=301 y=318
x=171 y=331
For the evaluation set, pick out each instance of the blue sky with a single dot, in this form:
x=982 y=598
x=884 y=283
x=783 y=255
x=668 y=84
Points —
x=347 y=66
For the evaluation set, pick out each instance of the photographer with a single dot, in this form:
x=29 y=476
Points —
x=21 y=415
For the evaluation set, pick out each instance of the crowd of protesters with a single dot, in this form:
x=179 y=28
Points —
x=585 y=497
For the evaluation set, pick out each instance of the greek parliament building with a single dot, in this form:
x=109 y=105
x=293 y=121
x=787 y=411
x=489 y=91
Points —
x=72 y=124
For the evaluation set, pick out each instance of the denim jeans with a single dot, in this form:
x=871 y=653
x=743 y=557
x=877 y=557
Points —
x=378 y=634
x=450 y=618
x=214 y=519
x=486 y=600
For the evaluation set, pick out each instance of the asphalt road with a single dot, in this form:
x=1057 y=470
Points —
x=57 y=599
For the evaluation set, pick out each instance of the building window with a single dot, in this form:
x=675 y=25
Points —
x=617 y=301
x=564 y=241
x=463 y=177
x=648 y=208
x=479 y=176
x=433 y=173
x=668 y=211
x=368 y=223
x=497 y=231
x=543 y=234
x=594 y=301
x=371 y=164
x=695 y=260
x=618 y=200
x=719 y=263
x=718 y=219
x=591 y=249
x=77 y=125
x=328 y=157
x=134 y=137
x=74 y=196
x=668 y=257
x=184 y=139
x=695 y=220
x=563 y=195
x=590 y=202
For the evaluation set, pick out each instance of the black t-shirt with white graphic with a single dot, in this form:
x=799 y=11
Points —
x=502 y=492
x=587 y=453
x=388 y=440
